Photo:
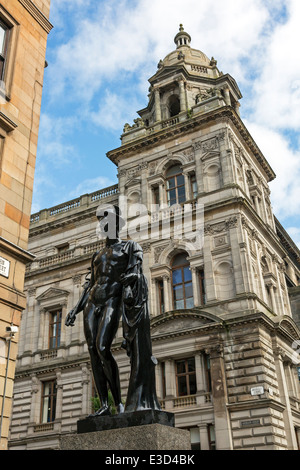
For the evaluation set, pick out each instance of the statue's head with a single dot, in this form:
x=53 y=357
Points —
x=110 y=220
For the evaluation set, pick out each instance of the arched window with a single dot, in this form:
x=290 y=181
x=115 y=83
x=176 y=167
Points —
x=182 y=283
x=174 y=105
x=175 y=185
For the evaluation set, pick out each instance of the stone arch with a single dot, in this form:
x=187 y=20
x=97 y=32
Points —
x=168 y=162
x=224 y=278
x=170 y=251
x=212 y=180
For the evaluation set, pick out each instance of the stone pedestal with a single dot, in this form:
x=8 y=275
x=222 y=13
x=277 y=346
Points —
x=141 y=430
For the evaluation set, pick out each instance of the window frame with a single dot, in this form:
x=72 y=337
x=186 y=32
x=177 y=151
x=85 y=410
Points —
x=187 y=374
x=4 y=53
x=183 y=283
x=161 y=296
x=10 y=53
x=52 y=324
x=175 y=188
x=52 y=397
x=202 y=292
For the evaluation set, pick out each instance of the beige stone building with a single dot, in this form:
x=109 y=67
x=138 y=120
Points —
x=24 y=28
x=221 y=318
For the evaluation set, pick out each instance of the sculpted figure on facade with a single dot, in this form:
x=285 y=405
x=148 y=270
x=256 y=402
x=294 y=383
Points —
x=117 y=289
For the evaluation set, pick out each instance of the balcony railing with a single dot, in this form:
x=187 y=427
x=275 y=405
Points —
x=82 y=201
x=201 y=399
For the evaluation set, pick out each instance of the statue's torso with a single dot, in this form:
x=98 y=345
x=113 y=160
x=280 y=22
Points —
x=108 y=266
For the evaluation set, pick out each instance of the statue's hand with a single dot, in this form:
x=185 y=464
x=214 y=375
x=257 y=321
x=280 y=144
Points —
x=128 y=279
x=71 y=317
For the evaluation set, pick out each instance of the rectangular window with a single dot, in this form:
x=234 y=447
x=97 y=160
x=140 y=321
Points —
x=202 y=287
x=211 y=437
x=163 y=380
x=194 y=188
x=48 y=407
x=206 y=359
x=161 y=300
x=195 y=439
x=155 y=192
x=186 y=377
x=4 y=37
x=54 y=329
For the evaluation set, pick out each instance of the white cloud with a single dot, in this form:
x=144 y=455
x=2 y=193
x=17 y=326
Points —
x=285 y=161
x=53 y=145
x=91 y=185
x=123 y=37
x=277 y=89
x=114 y=110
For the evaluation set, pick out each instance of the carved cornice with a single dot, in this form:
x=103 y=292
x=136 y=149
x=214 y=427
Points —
x=37 y=15
x=223 y=114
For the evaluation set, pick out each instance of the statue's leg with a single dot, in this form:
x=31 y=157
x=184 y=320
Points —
x=91 y=321
x=107 y=330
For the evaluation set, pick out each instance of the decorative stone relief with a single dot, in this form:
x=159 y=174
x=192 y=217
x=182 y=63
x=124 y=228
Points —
x=157 y=252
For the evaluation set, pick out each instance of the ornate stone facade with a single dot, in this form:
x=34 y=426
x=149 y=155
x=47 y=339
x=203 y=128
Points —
x=221 y=319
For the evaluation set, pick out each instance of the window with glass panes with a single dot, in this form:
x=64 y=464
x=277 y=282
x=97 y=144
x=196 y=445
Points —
x=182 y=283
x=48 y=407
x=54 y=329
x=175 y=186
x=160 y=286
x=194 y=187
x=186 y=377
x=4 y=33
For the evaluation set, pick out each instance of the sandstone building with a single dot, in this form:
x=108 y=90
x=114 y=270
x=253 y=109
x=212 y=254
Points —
x=221 y=317
x=24 y=28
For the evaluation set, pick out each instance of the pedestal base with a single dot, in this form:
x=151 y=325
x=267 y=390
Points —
x=141 y=430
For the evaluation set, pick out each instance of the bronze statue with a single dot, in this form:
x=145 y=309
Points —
x=118 y=288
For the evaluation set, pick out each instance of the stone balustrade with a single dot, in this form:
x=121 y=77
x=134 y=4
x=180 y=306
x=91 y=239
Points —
x=81 y=202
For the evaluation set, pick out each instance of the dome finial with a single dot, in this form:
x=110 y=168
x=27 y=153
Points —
x=182 y=38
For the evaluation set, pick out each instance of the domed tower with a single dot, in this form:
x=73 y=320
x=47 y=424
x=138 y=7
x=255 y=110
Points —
x=186 y=83
x=190 y=149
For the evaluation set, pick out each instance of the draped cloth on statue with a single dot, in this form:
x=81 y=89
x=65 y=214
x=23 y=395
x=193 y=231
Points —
x=137 y=339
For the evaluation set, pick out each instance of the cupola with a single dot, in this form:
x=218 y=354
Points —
x=182 y=38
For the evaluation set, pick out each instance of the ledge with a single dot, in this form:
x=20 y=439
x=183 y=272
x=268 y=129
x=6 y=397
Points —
x=16 y=251
x=6 y=123
x=37 y=15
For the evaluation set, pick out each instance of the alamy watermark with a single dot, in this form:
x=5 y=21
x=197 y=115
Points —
x=181 y=222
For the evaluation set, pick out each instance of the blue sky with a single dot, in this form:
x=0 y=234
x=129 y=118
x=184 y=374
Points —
x=101 y=54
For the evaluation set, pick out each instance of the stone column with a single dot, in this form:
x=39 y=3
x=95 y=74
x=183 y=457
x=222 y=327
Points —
x=35 y=400
x=227 y=96
x=195 y=282
x=59 y=395
x=42 y=329
x=273 y=298
x=219 y=394
x=279 y=290
x=182 y=96
x=170 y=379
x=153 y=298
x=86 y=398
x=204 y=441
x=157 y=105
x=167 y=298
x=187 y=186
x=161 y=191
